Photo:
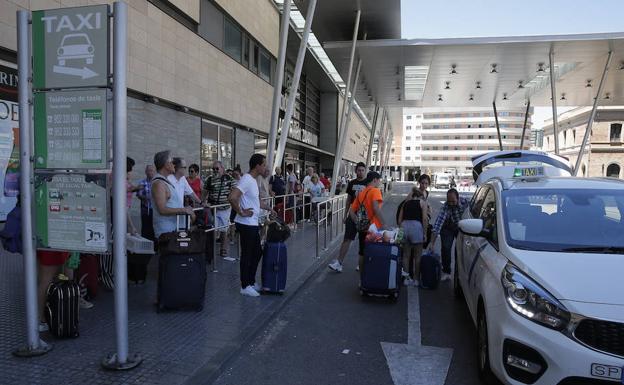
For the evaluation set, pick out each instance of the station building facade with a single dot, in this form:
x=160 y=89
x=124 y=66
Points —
x=200 y=82
x=604 y=153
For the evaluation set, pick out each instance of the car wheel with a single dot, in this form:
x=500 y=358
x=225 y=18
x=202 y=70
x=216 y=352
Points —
x=483 y=350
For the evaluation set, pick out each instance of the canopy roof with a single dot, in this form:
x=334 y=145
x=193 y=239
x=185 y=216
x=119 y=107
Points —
x=414 y=73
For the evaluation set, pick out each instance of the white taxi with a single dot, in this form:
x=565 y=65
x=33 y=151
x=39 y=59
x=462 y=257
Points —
x=540 y=262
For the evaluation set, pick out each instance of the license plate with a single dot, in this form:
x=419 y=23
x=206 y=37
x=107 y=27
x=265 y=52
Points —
x=607 y=371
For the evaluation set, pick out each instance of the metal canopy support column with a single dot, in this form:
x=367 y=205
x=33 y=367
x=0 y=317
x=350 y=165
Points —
x=120 y=360
x=526 y=118
x=372 y=135
x=500 y=139
x=343 y=133
x=380 y=140
x=277 y=90
x=553 y=99
x=388 y=148
x=340 y=144
x=292 y=92
x=579 y=159
x=34 y=345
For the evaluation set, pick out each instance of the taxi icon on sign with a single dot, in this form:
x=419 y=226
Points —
x=75 y=46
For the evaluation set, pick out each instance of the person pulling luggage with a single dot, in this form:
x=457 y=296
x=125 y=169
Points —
x=446 y=226
x=413 y=219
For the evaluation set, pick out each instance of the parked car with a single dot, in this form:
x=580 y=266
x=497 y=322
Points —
x=539 y=261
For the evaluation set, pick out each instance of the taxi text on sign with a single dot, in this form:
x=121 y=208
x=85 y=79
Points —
x=70 y=47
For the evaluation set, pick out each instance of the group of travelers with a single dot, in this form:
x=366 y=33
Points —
x=242 y=198
x=414 y=217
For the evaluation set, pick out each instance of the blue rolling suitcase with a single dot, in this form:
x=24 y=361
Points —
x=430 y=271
x=381 y=271
x=274 y=267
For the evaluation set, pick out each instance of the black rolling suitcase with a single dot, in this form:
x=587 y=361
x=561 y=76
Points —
x=182 y=269
x=62 y=307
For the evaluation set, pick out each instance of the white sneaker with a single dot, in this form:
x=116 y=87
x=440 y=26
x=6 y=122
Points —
x=357 y=267
x=404 y=273
x=257 y=287
x=43 y=327
x=84 y=304
x=250 y=292
x=336 y=266
x=407 y=281
x=445 y=277
x=415 y=283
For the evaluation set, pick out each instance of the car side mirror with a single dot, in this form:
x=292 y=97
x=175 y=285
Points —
x=472 y=227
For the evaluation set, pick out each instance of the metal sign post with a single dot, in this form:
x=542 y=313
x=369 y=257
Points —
x=120 y=360
x=34 y=345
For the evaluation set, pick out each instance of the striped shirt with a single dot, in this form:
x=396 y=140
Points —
x=219 y=188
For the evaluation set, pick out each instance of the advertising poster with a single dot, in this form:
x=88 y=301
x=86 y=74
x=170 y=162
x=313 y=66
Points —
x=9 y=141
x=72 y=212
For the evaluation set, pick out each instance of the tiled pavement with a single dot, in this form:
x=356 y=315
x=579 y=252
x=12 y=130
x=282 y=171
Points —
x=177 y=347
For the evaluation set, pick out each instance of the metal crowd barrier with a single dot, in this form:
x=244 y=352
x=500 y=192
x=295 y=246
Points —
x=291 y=202
x=330 y=213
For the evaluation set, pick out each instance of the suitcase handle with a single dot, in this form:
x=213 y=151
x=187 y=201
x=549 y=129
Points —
x=186 y=222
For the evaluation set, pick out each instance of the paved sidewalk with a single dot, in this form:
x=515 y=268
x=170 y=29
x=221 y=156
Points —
x=177 y=347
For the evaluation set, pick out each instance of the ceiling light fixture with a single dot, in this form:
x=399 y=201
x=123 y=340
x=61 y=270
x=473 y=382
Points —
x=471 y=98
x=448 y=85
x=398 y=86
x=563 y=96
x=494 y=70
x=520 y=85
x=607 y=96
x=540 y=67
x=504 y=96
x=622 y=66
x=440 y=98
x=589 y=83
x=398 y=71
x=478 y=85
x=453 y=69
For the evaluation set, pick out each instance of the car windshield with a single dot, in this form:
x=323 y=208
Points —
x=75 y=40
x=568 y=220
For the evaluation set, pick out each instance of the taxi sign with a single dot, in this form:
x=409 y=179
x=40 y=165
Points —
x=522 y=172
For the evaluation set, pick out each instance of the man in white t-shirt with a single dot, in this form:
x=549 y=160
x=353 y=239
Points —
x=245 y=201
x=307 y=180
x=178 y=181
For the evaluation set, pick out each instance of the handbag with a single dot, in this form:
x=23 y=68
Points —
x=184 y=240
x=277 y=231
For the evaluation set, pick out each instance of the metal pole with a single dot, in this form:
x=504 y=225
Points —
x=343 y=133
x=592 y=116
x=34 y=346
x=526 y=118
x=343 y=112
x=120 y=360
x=382 y=140
x=500 y=138
x=290 y=103
x=372 y=135
x=553 y=98
x=277 y=90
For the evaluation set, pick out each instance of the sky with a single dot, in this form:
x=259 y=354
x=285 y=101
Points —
x=477 y=18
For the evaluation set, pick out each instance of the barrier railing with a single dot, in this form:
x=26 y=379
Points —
x=293 y=204
x=329 y=212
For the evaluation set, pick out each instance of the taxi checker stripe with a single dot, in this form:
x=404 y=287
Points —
x=474 y=261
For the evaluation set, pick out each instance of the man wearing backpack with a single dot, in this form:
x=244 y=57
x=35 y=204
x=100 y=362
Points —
x=365 y=198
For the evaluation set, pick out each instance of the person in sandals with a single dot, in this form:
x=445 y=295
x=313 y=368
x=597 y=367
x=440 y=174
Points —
x=217 y=188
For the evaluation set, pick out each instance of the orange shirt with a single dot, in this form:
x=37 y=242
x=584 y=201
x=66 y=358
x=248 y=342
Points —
x=367 y=197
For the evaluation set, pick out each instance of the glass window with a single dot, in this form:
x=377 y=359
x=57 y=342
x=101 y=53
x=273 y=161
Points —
x=616 y=132
x=408 y=127
x=477 y=201
x=232 y=40
x=226 y=152
x=246 y=45
x=409 y=117
x=255 y=57
x=408 y=138
x=488 y=214
x=209 y=146
x=408 y=148
x=571 y=220
x=265 y=66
